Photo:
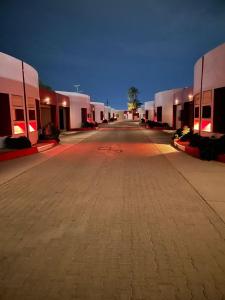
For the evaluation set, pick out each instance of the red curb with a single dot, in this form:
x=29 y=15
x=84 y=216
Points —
x=17 y=153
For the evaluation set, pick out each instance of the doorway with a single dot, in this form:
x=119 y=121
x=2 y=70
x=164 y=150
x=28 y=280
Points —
x=219 y=110
x=159 y=114
x=188 y=114
x=64 y=123
x=83 y=115
x=5 y=116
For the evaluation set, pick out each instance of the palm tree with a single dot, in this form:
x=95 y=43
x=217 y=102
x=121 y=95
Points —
x=133 y=102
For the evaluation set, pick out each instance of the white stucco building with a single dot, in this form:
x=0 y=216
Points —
x=149 y=110
x=80 y=108
x=19 y=99
x=98 y=112
x=209 y=92
x=169 y=107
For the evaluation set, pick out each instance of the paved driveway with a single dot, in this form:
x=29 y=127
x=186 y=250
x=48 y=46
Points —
x=109 y=218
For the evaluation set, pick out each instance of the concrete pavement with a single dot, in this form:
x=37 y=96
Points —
x=110 y=218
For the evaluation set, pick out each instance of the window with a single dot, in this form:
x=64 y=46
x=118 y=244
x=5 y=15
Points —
x=32 y=114
x=196 y=111
x=19 y=114
x=206 y=112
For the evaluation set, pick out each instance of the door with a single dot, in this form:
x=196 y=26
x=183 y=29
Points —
x=188 y=114
x=101 y=115
x=146 y=114
x=159 y=114
x=61 y=118
x=178 y=116
x=37 y=103
x=83 y=115
x=5 y=116
x=45 y=115
x=219 y=110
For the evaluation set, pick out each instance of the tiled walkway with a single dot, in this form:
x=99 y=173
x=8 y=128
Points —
x=109 y=218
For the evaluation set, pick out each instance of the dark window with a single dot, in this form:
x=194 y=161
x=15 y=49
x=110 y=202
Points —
x=206 y=112
x=32 y=114
x=19 y=114
x=196 y=111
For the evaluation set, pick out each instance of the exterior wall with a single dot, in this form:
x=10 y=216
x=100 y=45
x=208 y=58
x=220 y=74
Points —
x=149 y=108
x=99 y=107
x=12 y=71
x=166 y=100
x=173 y=100
x=213 y=77
x=120 y=115
x=107 y=113
x=214 y=70
x=50 y=105
x=141 y=112
x=77 y=102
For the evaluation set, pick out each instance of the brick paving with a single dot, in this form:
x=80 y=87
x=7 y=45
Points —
x=109 y=218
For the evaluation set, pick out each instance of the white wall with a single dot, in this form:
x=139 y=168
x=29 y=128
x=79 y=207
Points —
x=98 y=108
x=141 y=111
x=106 y=112
x=120 y=115
x=214 y=70
x=77 y=102
x=168 y=98
x=11 y=82
x=149 y=106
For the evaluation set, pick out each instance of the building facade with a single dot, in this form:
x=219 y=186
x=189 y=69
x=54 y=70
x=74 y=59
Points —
x=19 y=99
x=209 y=93
x=175 y=107
x=80 y=108
x=99 y=109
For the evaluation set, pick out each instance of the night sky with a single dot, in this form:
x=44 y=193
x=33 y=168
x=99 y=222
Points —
x=108 y=46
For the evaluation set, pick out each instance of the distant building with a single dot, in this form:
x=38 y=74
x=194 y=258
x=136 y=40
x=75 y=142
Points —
x=149 y=107
x=99 y=109
x=175 y=107
x=80 y=108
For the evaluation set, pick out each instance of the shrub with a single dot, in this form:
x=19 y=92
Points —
x=195 y=140
x=88 y=125
x=17 y=143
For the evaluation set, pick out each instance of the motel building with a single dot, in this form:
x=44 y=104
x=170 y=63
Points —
x=120 y=115
x=209 y=93
x=149 y=108
x=175 y=107
x=141 y=112
x=99 y=109
x=54 y=108
x=19 y=99
x=80 y=108
x=107 y=113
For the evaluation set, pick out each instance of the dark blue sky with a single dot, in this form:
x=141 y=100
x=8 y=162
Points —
x=108 y=46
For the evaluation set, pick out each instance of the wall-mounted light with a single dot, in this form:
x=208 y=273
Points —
x=47 y=100
x=64 y=103
x=190 y=97
x=176 y=101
